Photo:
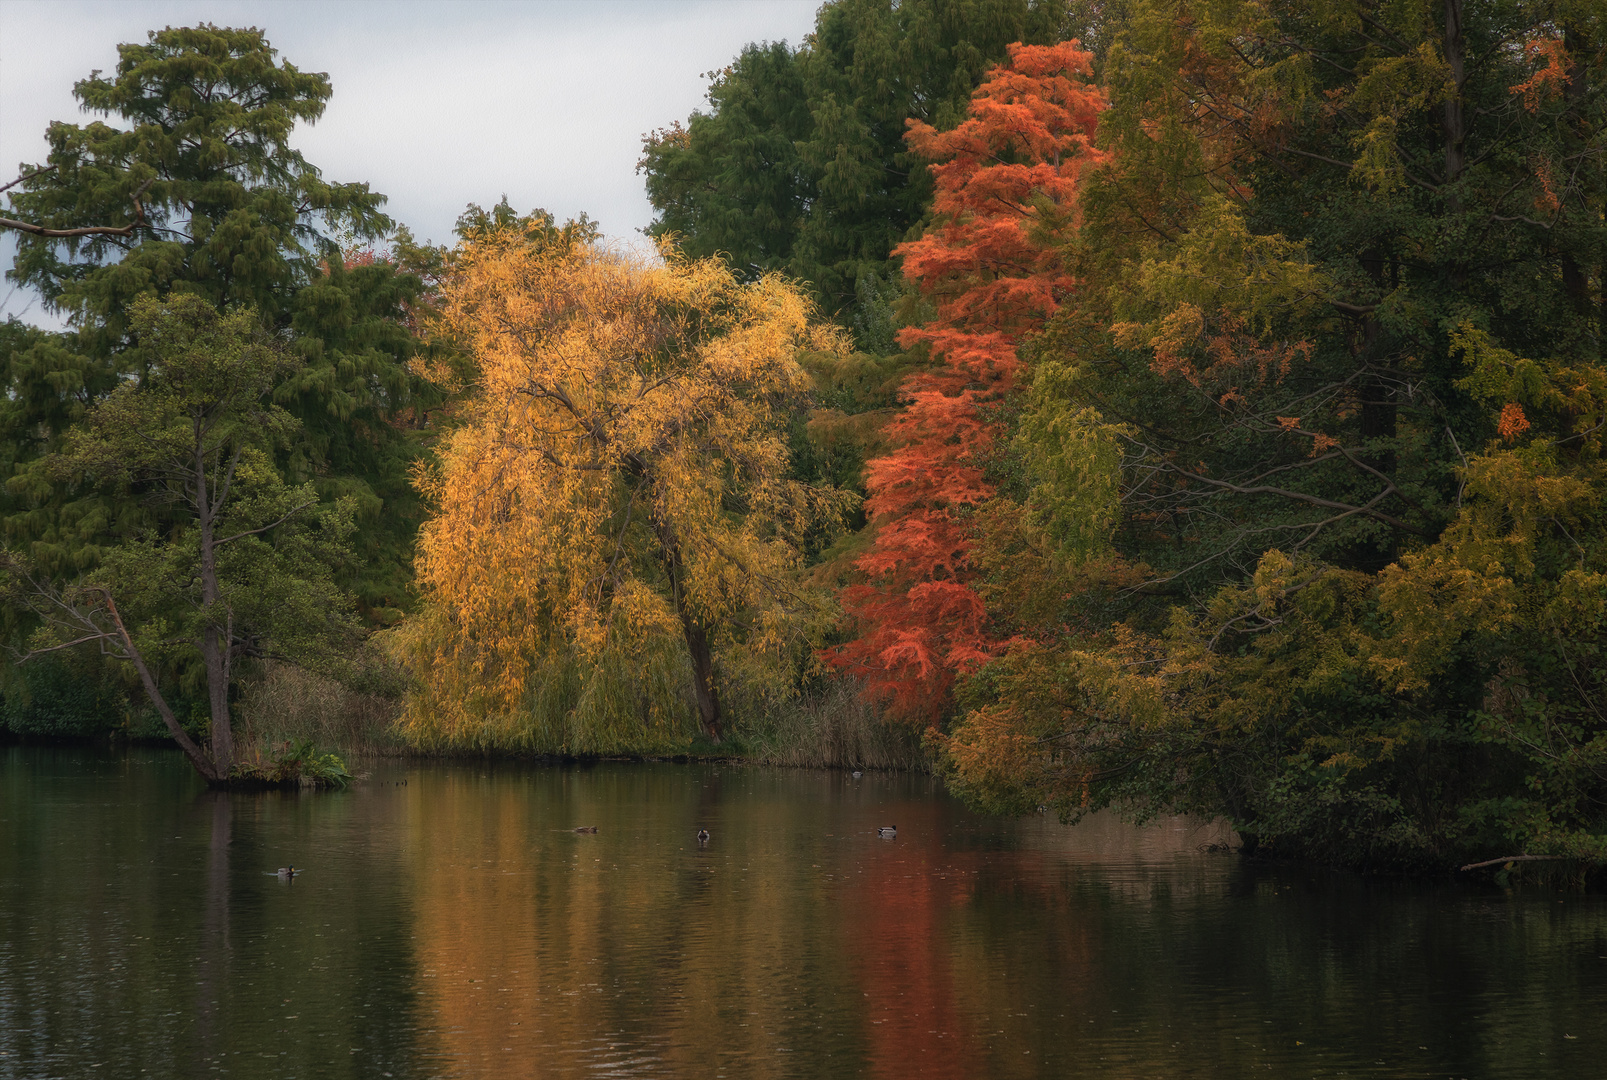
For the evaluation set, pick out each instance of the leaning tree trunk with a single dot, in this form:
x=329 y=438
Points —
x=203 y=762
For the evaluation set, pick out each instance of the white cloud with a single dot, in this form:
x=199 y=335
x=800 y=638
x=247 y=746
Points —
x=435 y=104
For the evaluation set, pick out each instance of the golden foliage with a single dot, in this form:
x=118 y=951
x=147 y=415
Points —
x=619 y=477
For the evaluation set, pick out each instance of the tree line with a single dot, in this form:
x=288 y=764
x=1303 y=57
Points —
x=1164 y=406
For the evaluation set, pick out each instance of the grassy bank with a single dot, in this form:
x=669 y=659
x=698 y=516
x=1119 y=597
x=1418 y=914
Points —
x=287 y=708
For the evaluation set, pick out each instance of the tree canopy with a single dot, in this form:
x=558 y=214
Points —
x=197 y=125
x=618 y=478
x=240 y=567
x=800 y=163
x=1007 y=183
x=1341 y=311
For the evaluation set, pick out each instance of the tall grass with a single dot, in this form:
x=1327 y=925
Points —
x=291 y=705
x=833 y=728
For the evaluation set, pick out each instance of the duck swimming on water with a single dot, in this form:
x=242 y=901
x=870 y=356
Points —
x=288 y=872
x=888 y=832
x=703 y=836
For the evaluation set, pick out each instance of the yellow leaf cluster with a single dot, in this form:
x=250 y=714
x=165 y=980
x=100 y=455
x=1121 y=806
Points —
x=620 y=472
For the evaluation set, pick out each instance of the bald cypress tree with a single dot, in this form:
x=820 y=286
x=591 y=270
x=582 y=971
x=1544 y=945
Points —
x=185 y=182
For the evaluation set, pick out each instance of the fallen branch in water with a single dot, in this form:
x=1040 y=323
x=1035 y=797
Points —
x=1514 y=858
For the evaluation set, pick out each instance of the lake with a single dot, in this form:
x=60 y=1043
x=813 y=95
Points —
x=450 y=923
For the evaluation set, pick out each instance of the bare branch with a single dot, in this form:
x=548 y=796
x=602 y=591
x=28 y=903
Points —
x=292 y=512
x=28 y=176
x=88 y=230
x=1514 y=858
x=98 y=636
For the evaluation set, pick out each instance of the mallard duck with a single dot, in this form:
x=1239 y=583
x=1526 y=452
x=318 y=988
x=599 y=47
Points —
x=857 y=774
x=888 y=832
x=287 y=872
x=587 y=828
x=703 y=836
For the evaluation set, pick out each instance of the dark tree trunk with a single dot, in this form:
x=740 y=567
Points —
x=215 y=643
x=1455 y=121
x=708 y=696
x=697 y=636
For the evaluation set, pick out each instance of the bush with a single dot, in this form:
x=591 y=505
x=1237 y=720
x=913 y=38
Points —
x=62 y=695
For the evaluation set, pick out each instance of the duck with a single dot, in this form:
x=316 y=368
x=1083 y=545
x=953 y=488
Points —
x=587 y=828
x=703 y=836
x=887 y=832
x=857 y=774
x=287 y=872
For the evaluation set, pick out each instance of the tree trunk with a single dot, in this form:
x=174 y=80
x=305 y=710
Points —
x=203 y=764
x=1455 y=121
x=708 y=696
x=697 y=636
x=215 y=644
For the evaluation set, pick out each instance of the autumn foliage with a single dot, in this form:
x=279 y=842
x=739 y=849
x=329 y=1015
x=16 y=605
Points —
x=1007 y=182
x=614 y=504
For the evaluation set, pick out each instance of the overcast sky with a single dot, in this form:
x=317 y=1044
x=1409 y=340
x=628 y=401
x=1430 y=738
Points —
x=435 y=104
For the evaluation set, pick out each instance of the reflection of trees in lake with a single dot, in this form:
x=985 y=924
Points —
x=787 y=947
x=632 y=944
x=152 y=939
x=214 y=963
x=443 y=922
x=898 y=921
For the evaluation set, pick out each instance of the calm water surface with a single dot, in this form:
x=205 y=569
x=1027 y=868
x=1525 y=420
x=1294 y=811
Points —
x=450 y=924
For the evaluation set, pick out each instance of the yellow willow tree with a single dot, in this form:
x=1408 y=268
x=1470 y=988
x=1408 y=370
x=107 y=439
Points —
x=620 y=472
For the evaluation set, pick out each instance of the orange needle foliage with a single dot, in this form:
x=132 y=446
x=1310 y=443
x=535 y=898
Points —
x=620 y=473
x=1007 y=185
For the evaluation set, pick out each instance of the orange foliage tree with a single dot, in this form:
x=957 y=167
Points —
x=1006 y=183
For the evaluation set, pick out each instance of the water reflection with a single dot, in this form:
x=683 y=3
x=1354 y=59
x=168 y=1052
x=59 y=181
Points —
x=458 y=926
x=213 y=965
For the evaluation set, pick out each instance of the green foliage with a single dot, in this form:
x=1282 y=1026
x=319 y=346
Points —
x=200 y=120
x=1314 y=539
x=236 y=561
x=302 y=763
x=228 y=205
x=62 y=695
x=800 y=162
